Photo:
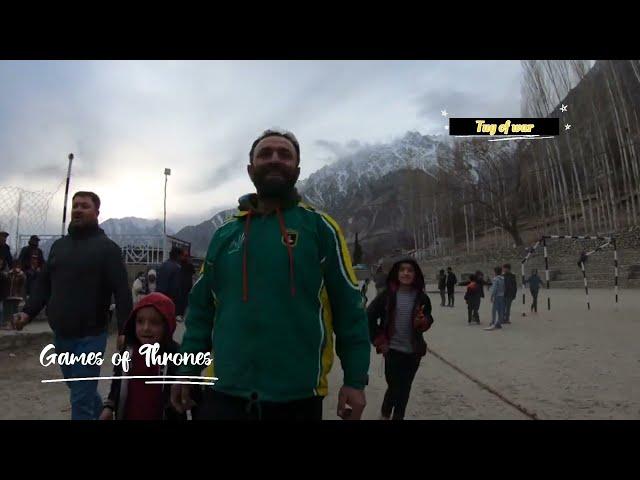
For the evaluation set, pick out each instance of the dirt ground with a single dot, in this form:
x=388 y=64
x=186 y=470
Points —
x=567 y=363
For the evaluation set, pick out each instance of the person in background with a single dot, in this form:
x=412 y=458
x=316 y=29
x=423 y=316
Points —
x=138 y=288
x=187 y=271
x=83 y=271
x=583 y=259
x=481 y=282
x=452 y=280
x=472 y=297
x=510 y=291
x=29 y=251
x=380 y=279
x=534 y=282
x=5 y=251
x=497 y=298
x=442 y=286
x=16 y=293
x=365 y=287
x=169 y=276
x=151 y=284
x=35 y=267
x=4 y=293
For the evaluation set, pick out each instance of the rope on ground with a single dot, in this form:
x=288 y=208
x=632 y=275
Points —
x=484 y=386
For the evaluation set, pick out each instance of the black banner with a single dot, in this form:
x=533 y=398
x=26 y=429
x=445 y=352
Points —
x=504 y=127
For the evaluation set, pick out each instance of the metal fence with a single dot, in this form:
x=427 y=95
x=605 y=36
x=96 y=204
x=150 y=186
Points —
x=136 y=249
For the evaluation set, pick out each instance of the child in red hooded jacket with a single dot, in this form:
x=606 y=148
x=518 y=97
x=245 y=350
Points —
x=473 y=296
x=152 y=320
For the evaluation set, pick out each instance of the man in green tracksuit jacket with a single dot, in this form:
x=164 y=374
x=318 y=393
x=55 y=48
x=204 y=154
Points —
x=276 y=285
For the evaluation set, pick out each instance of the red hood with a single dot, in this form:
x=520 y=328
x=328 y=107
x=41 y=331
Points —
x=163 y=304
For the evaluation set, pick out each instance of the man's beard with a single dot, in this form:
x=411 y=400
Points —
x=82 y=222
x=280 y=187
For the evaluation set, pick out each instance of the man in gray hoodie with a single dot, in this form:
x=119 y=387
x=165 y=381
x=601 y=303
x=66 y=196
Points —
x=497 y=298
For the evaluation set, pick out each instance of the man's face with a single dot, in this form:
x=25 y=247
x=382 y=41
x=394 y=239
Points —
x=275 y=169
x=83 y=212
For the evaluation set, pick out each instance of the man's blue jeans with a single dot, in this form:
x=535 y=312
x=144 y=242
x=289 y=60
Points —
x=86 y=403
x=497 y=311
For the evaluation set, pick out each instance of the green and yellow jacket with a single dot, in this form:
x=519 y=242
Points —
x=272 y=292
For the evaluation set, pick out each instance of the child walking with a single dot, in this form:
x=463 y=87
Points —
x=153 y=320
x=473 y=296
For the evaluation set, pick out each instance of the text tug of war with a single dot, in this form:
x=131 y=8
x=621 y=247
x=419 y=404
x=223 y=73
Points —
x=504 y=128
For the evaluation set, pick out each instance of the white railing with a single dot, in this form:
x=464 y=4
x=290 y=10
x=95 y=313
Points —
x=136 y=249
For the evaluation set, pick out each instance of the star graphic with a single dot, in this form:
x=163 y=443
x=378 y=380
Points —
x=567 y=126
x=563 y=108
x=444 y=113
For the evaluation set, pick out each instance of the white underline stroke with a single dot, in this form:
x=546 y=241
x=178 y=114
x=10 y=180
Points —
x=536 y=137
x=81 y=379
x=149 y=382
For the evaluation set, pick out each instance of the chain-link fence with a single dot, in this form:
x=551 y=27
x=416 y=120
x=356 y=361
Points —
x=23 y=211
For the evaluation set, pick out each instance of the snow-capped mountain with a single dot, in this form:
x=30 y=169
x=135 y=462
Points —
x=331 y=185
x=133 y=226
x=362 y=191
x=200 y=235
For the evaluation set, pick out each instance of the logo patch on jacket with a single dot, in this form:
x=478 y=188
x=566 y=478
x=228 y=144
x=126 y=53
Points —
x=292 y=238
x=236 y=244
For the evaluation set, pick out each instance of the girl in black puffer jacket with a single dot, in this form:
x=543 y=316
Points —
x=398 y=318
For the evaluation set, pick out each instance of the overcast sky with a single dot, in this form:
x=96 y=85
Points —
x=125 y=121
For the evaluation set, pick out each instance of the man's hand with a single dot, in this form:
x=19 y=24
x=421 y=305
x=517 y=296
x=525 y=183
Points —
x=107 y=414
x=384 y=348
x=351 y=397
x=181 y=397
x=19 y=320
x=121 y=340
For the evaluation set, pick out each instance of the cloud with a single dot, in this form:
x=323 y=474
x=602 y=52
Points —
x=486 y=88
x=45 y=171
x=340 y=149
x=125 y=121
x=220 y=174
